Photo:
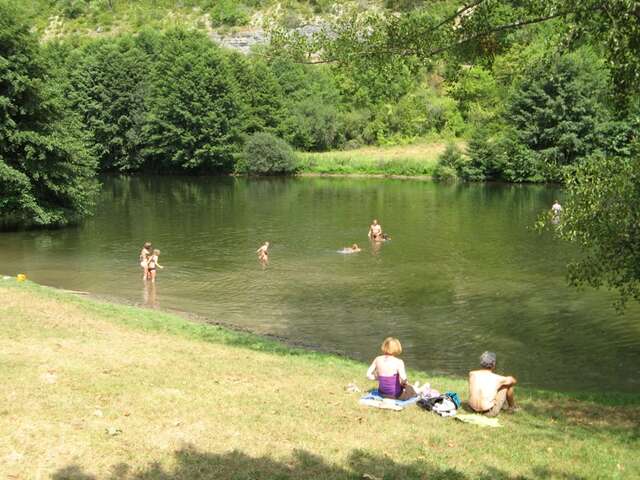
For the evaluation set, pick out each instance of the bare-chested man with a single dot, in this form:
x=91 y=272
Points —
x=488 y=392
x=375 y=230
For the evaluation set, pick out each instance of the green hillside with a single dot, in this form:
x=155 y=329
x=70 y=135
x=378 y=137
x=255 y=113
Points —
x=92 y=17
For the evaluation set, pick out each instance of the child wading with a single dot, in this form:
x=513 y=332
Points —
x=145 y=253
x=153 y=265
x=390 y=372
x=263 y=254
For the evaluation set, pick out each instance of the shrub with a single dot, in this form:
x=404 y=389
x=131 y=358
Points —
x=229 y=13
x=266 y=154
x=72 y=8
x=449 y=162
x=445 y=173
x=464 y=167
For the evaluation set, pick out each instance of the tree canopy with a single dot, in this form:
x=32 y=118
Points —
x=47 y=176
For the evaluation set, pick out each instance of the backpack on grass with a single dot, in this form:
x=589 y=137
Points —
x=444 y=405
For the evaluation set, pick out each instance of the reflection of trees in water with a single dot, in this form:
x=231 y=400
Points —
x=462 y=273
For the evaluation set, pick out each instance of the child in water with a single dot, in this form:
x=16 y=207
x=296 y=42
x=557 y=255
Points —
x=145 y=253
x=352 y=249
x=263 y=254
x=153 y=265
x=389 y=370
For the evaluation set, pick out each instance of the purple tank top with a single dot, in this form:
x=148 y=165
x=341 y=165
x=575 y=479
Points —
x=390 y=386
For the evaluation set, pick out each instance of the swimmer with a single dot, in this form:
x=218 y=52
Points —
x=144 y=255
x=556 y=211
x=263 y=254
x=375 y=230
x=352 y=249
x=153 y=265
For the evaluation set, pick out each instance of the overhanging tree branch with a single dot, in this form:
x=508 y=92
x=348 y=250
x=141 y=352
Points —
x=413 y=51
x=458 y=14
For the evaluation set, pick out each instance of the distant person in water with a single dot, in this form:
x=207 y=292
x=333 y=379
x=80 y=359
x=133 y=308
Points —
x=263 y=254
x=556 y=211
x=352 y=249
x=145 y=253
x=489 y=392
x=153 y=265
x=375 y=230
x=389 y=370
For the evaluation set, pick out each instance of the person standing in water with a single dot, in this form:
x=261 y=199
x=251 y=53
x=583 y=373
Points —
x=375 y=230
x=556 y=211
x=145 y=253
x=153 y=265
x=263 y=254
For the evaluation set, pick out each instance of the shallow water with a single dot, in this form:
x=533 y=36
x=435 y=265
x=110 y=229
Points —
x=463 y=272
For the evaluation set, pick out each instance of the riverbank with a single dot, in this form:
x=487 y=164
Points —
x=98 y=390
x=415 y=160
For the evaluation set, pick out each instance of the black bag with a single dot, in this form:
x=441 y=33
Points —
x=428 y=403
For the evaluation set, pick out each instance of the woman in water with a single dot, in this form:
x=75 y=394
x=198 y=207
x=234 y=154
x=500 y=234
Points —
x=389 y=370
x=145 y=253
x=153 y=265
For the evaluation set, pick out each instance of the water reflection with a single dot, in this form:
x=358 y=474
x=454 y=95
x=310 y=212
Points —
x=462 y=273
x=149 y=297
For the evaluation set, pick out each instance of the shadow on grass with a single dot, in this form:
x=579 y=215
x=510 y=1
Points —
x=193 y=464
x=584 y=419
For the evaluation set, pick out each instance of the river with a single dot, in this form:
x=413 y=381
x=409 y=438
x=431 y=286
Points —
x=463 y=273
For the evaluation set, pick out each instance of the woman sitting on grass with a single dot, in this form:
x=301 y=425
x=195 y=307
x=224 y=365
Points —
x=389 y=370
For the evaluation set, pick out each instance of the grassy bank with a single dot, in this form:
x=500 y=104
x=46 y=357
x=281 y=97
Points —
x=410 y=160
x=96 y=390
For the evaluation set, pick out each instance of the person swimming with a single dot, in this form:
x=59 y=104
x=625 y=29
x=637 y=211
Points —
x=352 y=249
x=263 y=254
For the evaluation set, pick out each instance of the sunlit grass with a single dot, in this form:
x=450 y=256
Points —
x=95 y=390
x=410 y=160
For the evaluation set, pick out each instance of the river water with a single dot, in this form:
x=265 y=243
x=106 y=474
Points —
x=463 y=273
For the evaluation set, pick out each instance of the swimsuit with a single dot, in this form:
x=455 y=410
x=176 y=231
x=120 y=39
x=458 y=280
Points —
x=390 y=386
x=151 y=264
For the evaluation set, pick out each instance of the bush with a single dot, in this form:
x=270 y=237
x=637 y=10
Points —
x=72 y=8
x=266 y=154
x=465 y=168
x=229 y=13
x=449 y=162
x=445 y=173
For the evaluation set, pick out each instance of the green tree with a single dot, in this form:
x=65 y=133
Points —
x=602 y=216
x=110 y=85
x=559 y=109
x=553 y=117
x=47 y=176
x=193 y=115
x=260 y=93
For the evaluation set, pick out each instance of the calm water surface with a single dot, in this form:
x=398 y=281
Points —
x=463 y=273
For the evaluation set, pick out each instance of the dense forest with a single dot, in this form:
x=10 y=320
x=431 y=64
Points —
x=539 y=91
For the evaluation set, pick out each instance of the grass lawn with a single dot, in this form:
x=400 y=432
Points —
x=93 y=390
x=410 y=160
